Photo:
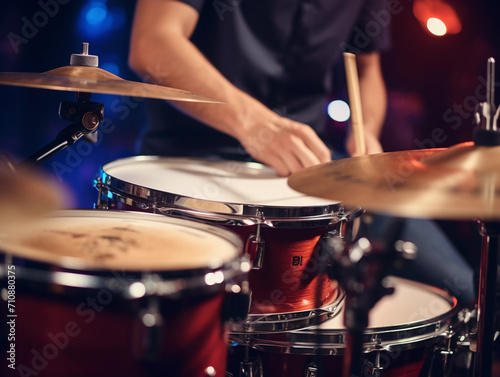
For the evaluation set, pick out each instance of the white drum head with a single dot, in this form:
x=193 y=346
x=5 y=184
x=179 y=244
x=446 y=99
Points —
x=409 y=304
x=210 y=180
x=122 y=241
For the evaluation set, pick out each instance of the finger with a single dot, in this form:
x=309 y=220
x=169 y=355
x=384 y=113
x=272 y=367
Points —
x=288 y=158
x=314 y=143
x=304 y=155
x=275 y=161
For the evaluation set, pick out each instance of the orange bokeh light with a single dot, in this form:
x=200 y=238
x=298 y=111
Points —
x=435 y=16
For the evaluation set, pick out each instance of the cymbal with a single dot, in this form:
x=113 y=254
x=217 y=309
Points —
x=96 y=80
x=27 y=195
x=461 y=182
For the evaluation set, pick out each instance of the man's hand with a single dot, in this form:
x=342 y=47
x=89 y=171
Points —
x=285 y=145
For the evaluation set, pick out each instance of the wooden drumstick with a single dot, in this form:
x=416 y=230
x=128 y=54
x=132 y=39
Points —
x=358 y=131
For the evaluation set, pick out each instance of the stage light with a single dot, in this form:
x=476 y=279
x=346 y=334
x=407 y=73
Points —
x=96 y=13
x=437 y=17
x=339 y=110
x=97 y=19
x=436 y=26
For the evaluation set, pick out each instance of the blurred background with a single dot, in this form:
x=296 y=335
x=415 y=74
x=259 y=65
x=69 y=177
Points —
x=435 y=74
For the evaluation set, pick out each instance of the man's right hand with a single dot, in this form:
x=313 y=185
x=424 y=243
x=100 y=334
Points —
x=285 y=145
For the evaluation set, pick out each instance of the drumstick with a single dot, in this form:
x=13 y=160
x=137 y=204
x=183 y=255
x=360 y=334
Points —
x=355 y=102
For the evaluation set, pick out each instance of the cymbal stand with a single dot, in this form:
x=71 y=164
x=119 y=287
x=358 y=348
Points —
x=487 y=134
x=486 y=298
x=361 y=270
x=85 y=117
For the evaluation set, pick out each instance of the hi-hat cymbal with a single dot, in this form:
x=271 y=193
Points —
x=462 y=182
x=96 y=80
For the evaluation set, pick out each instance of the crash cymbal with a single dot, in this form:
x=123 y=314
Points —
x=27 y=195
x=96 y=80
x=462 y=182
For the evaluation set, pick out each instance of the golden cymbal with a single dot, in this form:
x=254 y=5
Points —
x=461 y=182
x=96 y=80
x=27 y=195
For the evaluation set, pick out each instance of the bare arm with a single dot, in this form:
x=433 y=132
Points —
x=161 y=50
x=373 y=101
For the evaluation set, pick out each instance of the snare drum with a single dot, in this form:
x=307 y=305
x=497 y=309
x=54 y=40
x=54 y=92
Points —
x=105 y=293
x=279 y=226
x=402 y=332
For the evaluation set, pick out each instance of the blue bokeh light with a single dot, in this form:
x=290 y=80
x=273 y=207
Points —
x=96 y=13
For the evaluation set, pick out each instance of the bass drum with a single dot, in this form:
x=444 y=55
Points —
x=404 y=329
x=105 y=293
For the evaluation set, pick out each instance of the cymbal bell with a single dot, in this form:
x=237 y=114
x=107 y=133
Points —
x=96 y=80
x=461 y=182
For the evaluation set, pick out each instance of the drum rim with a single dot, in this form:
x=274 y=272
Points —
x=289 y=321
x=156 y=282
x=417 y=333
x=166 y=201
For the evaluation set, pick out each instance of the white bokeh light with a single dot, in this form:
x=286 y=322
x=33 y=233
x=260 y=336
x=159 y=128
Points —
x=339 y=110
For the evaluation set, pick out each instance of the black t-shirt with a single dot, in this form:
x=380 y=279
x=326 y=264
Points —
x=282 y=52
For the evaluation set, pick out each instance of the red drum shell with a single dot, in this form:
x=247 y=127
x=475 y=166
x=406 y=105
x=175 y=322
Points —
x=289 y=279
x=58 y=337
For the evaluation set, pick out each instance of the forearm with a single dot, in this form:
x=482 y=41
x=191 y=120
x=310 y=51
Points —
x=168 y=58
x=373 y=93
x=162 y=52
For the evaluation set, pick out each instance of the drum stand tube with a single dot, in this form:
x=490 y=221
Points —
x=361 y=270
x=85 y=117
x=486 y=298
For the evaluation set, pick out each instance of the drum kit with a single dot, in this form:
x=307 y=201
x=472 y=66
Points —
x=200 y=267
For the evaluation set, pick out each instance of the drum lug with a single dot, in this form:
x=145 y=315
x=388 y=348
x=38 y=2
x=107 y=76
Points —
x=311 y=370
x=374 y=369
x=236 y=302
x=251 y=368
x=255 y=247
x=102 y=199
x=148 y=334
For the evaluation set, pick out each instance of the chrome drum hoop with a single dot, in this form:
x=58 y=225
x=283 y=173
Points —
x=230 y=213
x=320 y=341
x=279 y=322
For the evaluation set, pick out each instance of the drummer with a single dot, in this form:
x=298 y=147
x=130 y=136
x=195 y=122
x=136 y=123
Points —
x=272 y=63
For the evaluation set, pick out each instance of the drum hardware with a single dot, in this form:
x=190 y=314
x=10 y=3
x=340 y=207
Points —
x=83 y=77
x=148 y=332
x=490 y=232
x=311 y=370
x=251 y=367
x=255 y=245
x=85 y=116
x=101 y=202
x=361 y=270
x=236 y=302
x=374 y=368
